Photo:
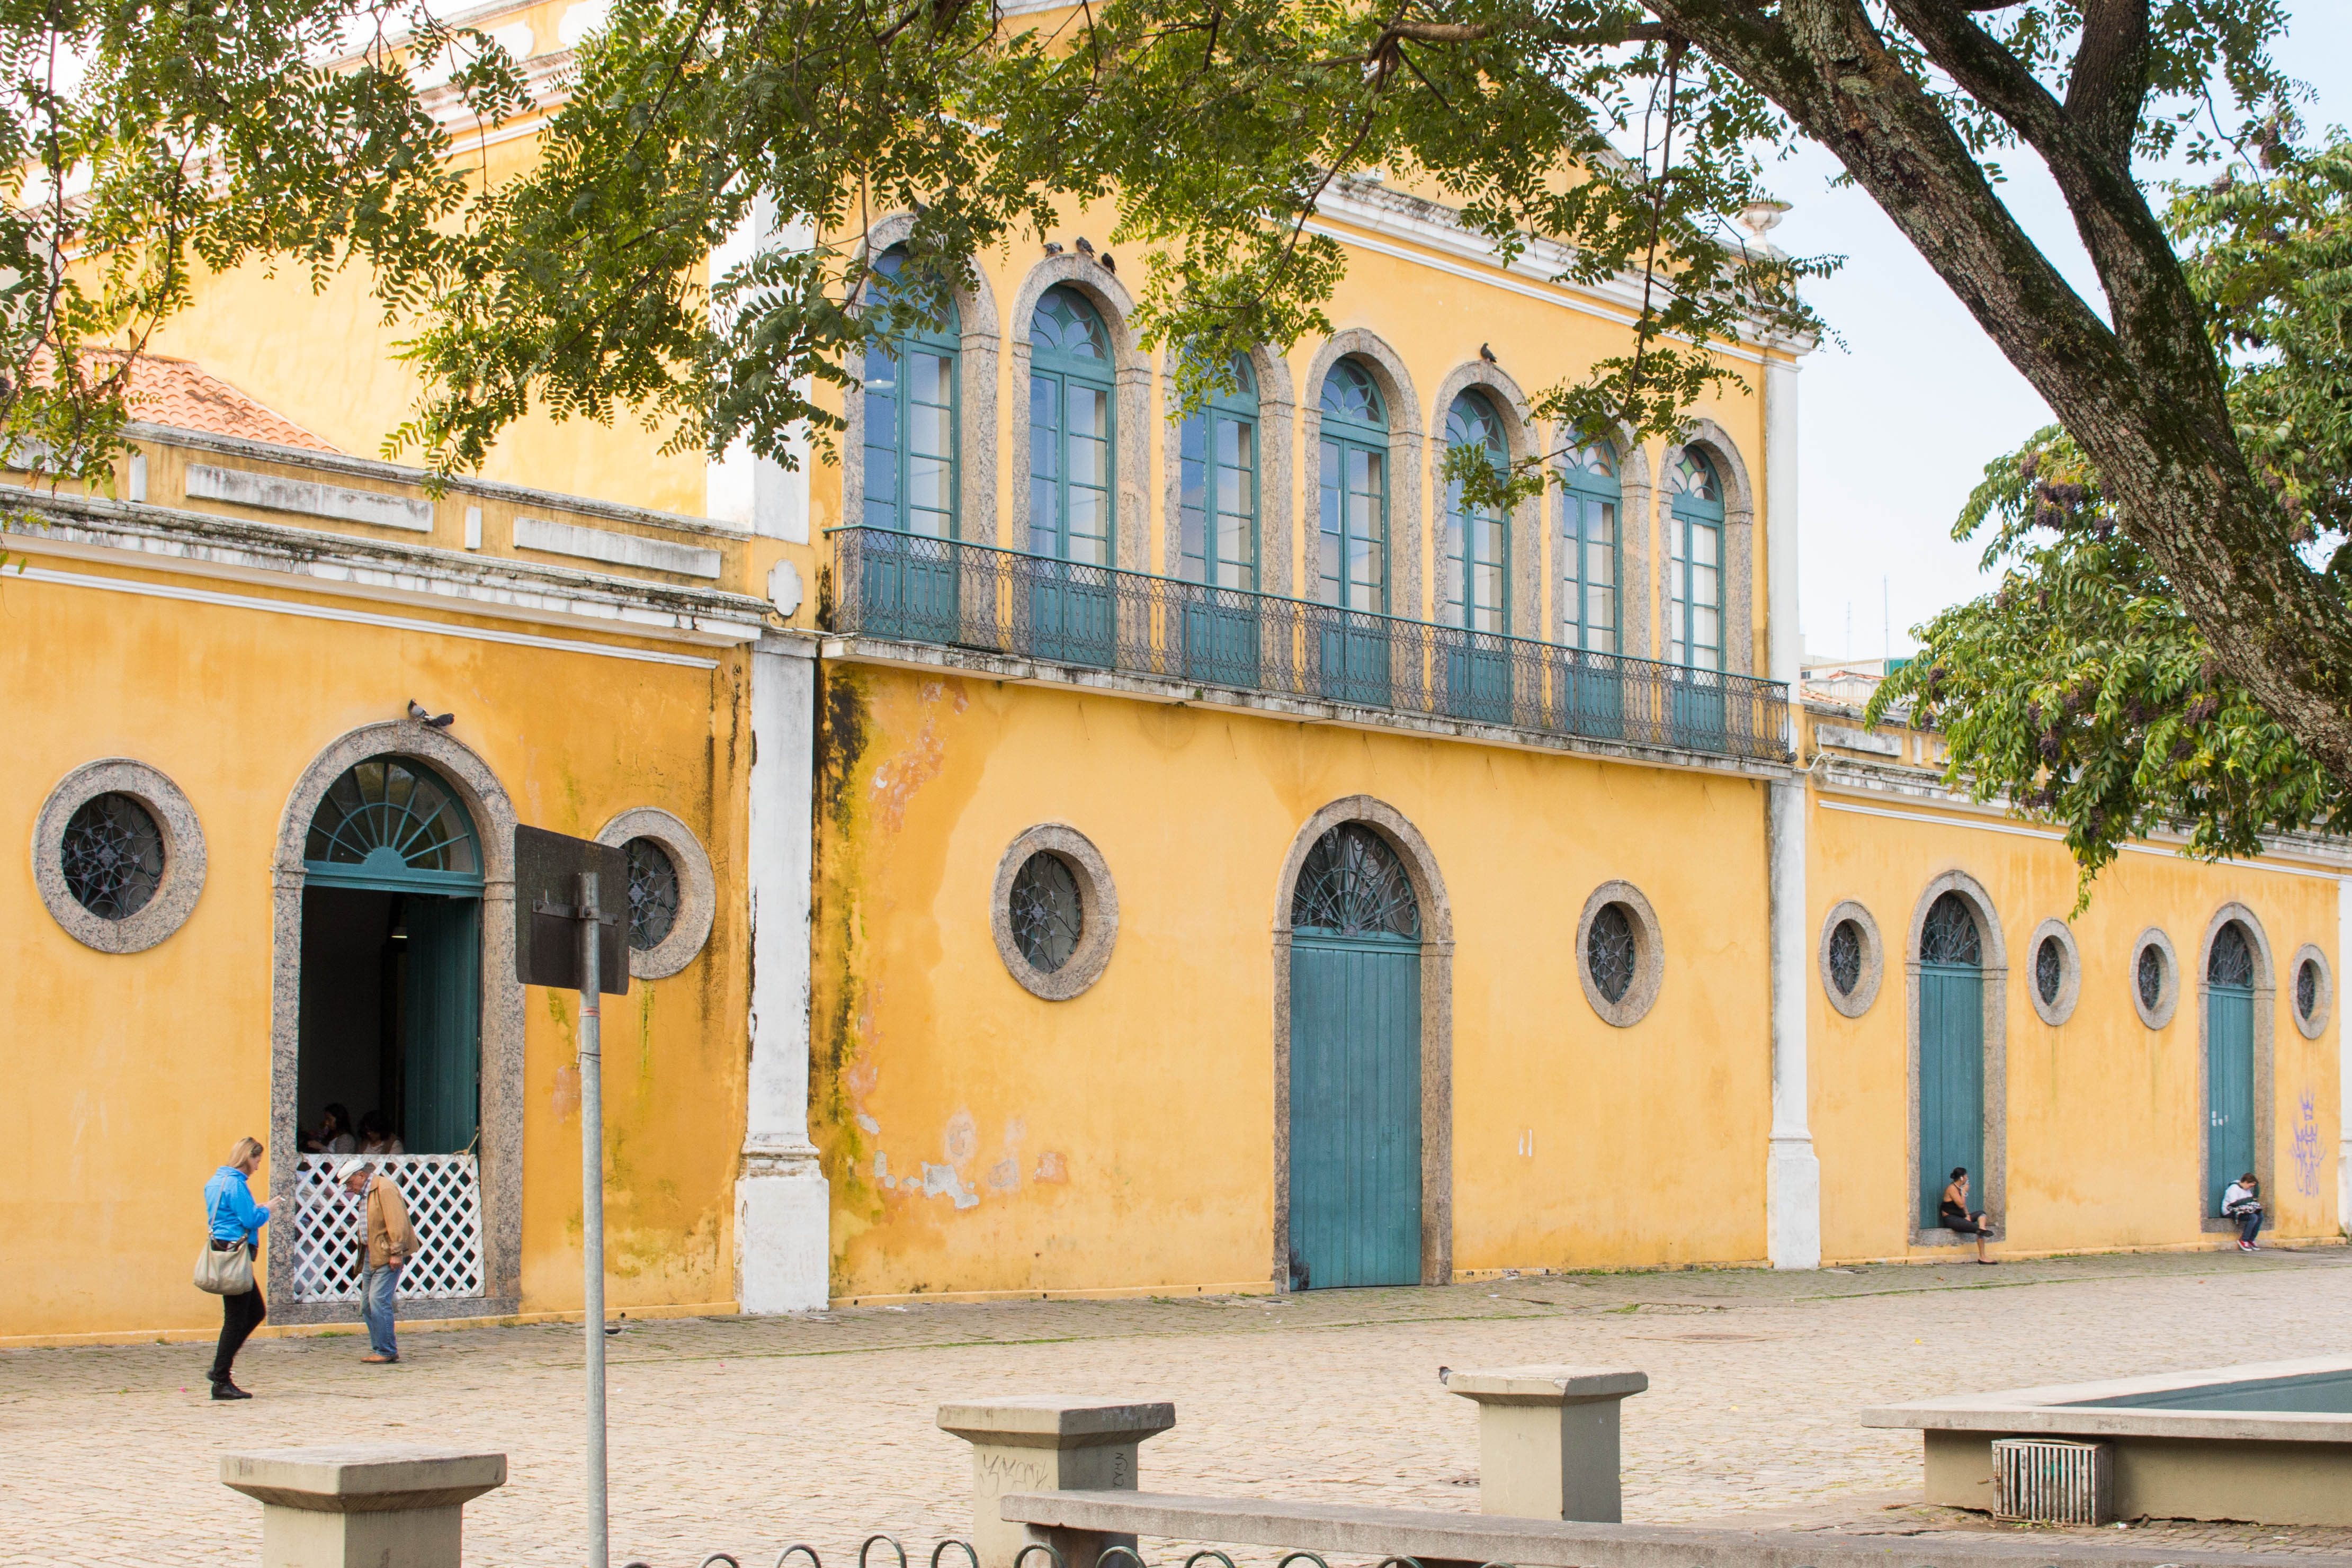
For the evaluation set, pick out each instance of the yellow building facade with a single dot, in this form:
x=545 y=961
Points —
x=1079 y=846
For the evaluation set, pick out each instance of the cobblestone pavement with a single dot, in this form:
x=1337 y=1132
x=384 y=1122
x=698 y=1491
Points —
x=749 y=1434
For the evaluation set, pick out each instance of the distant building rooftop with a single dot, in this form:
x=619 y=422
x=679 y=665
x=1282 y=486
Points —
x=1848 y=682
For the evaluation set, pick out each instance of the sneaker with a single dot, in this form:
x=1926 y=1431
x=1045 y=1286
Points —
x=373 y=1360
x=224 y=1389
x=2246 y=1247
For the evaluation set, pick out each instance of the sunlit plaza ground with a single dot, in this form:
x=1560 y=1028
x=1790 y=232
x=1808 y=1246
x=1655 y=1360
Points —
x=748 y=1433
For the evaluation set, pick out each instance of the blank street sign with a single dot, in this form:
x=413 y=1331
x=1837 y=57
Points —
x=547 y=886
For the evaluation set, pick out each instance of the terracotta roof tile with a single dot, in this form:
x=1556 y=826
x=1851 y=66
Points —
x=181 y=392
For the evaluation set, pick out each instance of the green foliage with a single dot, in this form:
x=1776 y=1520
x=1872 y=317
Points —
x=1216 y=128
x=2081 y=694
x=148 y=140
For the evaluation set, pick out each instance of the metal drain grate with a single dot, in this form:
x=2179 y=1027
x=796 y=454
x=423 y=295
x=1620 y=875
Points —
x=2050 y=1481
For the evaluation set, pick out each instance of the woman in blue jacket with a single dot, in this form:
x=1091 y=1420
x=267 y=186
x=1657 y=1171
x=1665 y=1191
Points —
x=235 y=1220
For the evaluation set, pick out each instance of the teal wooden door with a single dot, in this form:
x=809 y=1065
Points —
x=1951 y=1054
x=2228 y=1063
x=1355 y=1067
x=442 y=1012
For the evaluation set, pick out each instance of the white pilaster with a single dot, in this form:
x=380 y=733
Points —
x=760 y=494
x=2343 y=1060
x=783 y=1206
x=1792 y=1176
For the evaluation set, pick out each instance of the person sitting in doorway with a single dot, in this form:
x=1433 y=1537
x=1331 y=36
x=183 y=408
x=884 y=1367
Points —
x=391 y=1242
x=1954 y=1214
x=2241 y=1200
x=375 y=1135
x=334 y=1135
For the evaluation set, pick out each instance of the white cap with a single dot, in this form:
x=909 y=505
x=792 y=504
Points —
x=351 y=1169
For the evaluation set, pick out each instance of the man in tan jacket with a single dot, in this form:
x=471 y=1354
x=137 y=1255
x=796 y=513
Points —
x=391 y=1242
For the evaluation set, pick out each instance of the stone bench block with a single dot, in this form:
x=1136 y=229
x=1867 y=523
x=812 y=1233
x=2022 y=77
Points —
x=355 y=1507
x=1048 y=1442
x=1548 y=1441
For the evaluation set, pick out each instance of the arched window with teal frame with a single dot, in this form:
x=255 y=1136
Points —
x=911 y=421
x=1589 y=496
x=1217 y=531
x=1695 y=598
x=1475 y=570
x=1073 y=442
x=1217 y=484
x=909 y=585
x=1352 y=647
x=1478 y=545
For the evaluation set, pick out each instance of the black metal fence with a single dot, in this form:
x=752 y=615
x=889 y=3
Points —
x=909 y=588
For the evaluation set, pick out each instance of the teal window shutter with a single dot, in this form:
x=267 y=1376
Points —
x=1477 y=544
x=1587 y=547
x=1217 y=488
x=911 y=394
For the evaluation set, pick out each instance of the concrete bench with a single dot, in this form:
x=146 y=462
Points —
x=1079 y=1524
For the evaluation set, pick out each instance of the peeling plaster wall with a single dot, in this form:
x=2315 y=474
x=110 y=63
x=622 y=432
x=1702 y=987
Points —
x=149 y=1065
x=979 y=1138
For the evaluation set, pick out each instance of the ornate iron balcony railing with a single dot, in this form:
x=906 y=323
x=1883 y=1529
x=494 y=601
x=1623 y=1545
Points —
x=909 y=588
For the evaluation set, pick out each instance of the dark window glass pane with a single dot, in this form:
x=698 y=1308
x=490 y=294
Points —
x=2232 y=960
x=1046 y=917
x=653 y=894
x=1951 y=933
x=2150 y=976
x=2049 y=970
x=1610 y=952
x=112 y=855
x=1845 y=957
x=2307 y=991
x=1353 y=885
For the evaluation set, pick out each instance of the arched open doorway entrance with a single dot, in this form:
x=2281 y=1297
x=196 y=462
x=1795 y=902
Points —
x=1362 y=1050
x=390 y=1029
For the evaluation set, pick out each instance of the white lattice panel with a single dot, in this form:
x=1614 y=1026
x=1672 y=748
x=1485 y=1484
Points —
x=443 y=1193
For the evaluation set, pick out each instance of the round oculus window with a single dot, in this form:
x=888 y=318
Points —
x=2050 y=969
x=1845 y=957
x=2306 y=989
x=1610 y=952
x=112 y=856
x=1046 y=914
x=2150 y=978
x=653 y=894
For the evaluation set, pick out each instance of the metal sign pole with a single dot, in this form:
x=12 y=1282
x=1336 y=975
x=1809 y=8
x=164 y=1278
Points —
x=592 y=1206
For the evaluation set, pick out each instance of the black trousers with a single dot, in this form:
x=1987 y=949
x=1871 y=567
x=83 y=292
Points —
x=240 y=1315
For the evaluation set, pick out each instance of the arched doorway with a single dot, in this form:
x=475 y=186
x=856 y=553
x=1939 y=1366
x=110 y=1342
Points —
x=1951 y=1081
x=1355 y=1079
x=389 y=1021
x=2229 y=1063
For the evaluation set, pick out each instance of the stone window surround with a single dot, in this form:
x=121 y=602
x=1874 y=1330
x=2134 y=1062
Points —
x=1992 y=1186
x=1636 y=494
x=1874 y=958
x=978 y=337
x=501 y=1015
x=2168 y=999
x=2324 y=1005
x=2070 y=980
x=1739 y=544
x=1131 y=401
x=175 y=895
x=2265 y=1062
x=1649 y=955
x=1530 y=605
x=1277 y=413
x=698 y=889
x=1098 y=911
x=1412 y=851
x=1407 y=519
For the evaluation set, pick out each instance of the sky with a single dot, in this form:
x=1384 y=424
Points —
x=1897 y=426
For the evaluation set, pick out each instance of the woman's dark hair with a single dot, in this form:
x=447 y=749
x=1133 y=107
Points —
x=1959 y=1170
x=341 y=1115
x=373 y=1126
x=2249 y=1178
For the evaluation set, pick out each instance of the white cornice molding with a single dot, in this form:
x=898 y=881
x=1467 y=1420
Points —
x=524 y=496
x=1843 y=782
x=199 y=544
